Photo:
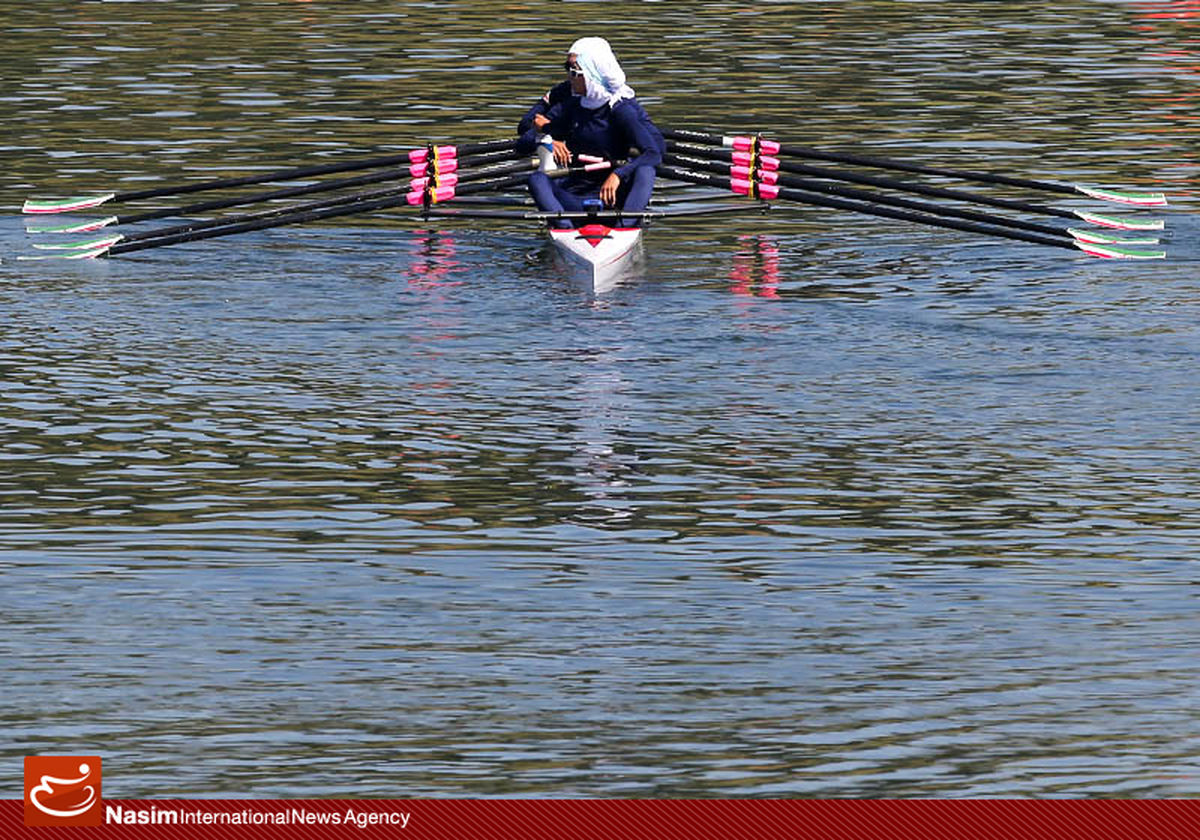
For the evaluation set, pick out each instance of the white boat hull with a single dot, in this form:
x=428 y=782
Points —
x=599 y=253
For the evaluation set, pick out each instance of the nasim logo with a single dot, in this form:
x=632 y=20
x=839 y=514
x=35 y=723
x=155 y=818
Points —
x=62 y=790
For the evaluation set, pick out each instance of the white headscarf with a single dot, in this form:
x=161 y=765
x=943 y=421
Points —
x=604 y=76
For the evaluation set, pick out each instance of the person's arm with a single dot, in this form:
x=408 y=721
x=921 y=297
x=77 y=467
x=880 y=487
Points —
x=557 y=123
x=539 y=109
x=542 y=107
x=638 y=131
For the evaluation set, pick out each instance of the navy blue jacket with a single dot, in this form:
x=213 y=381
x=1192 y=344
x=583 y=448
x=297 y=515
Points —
x=559 y=93
x=608 y=131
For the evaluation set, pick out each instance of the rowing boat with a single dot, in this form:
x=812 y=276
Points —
x=596 y=253
x=599 y=254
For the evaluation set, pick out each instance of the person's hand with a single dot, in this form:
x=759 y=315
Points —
x=608 y=191
x=540 y=121
x=562 y=155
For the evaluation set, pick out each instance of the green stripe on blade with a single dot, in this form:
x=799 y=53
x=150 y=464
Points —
x=67 y=255
x=1120 y=224
x=73 y=227
x=1140 y=199
x=1112 y=252
x=84 y=245
x=1105 y=239
x=66 y=205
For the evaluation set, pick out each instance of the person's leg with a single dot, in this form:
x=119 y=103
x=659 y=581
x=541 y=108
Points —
x=552 y=196
x=634 y=193
x=542 y=191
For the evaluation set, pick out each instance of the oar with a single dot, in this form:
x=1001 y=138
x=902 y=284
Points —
x=416 y=156
x=1141 y=199
x=407 y=189
x=771 y=162
x=497 y=200
x=414 y=170
x=396 y=199
x=361 y=203
x=766 y=191
x=526 y=215
x=775 y=178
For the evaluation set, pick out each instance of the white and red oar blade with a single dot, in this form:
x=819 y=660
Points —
x=74 y=227
x=1113 y=252
x=68 y=255
x=87 y=245
x=1093 y=237
x=1120 y=224
x=66 y=205
x=1137 y=199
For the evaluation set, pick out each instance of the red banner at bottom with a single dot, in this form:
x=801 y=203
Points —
x=585 y=819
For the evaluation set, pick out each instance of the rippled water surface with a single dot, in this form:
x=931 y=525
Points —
x=812 y=504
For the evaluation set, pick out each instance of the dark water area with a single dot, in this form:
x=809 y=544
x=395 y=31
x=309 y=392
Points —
x=814 y=504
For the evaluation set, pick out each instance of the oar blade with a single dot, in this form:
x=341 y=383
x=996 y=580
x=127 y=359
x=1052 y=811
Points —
x=88 y=254
x=1112 y=252
x=66 y=205
x=86 y=245
x=1136 y=199
x=1093 y=237
x=74 y=227
x=1120 y=224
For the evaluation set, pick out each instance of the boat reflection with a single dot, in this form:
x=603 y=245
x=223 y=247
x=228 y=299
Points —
x=433 y=260
x=601 y=462
x=755 y=269
x=620 y=267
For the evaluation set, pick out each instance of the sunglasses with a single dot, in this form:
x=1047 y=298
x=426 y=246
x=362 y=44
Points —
x=571 y=69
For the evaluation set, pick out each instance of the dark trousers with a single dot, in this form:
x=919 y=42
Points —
x=556 y=195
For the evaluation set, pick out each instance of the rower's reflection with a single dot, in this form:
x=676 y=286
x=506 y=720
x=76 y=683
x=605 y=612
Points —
x=601 y=463
x=755 y=270
x=432 y=260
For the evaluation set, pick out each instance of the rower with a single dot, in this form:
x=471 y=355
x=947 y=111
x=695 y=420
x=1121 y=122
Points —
x=603 y=119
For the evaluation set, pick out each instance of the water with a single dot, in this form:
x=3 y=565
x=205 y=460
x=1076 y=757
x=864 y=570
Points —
x=812 y=505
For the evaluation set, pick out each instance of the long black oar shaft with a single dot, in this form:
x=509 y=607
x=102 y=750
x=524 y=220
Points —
x=887 y=163
x=805 y=197
x=539 y=216
x=263 y=224
x=291 y=192
x=466 y=177
x=878 y=198
x=900 y=186
x=292 y=174
x=299 y=172
x=397 y=198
